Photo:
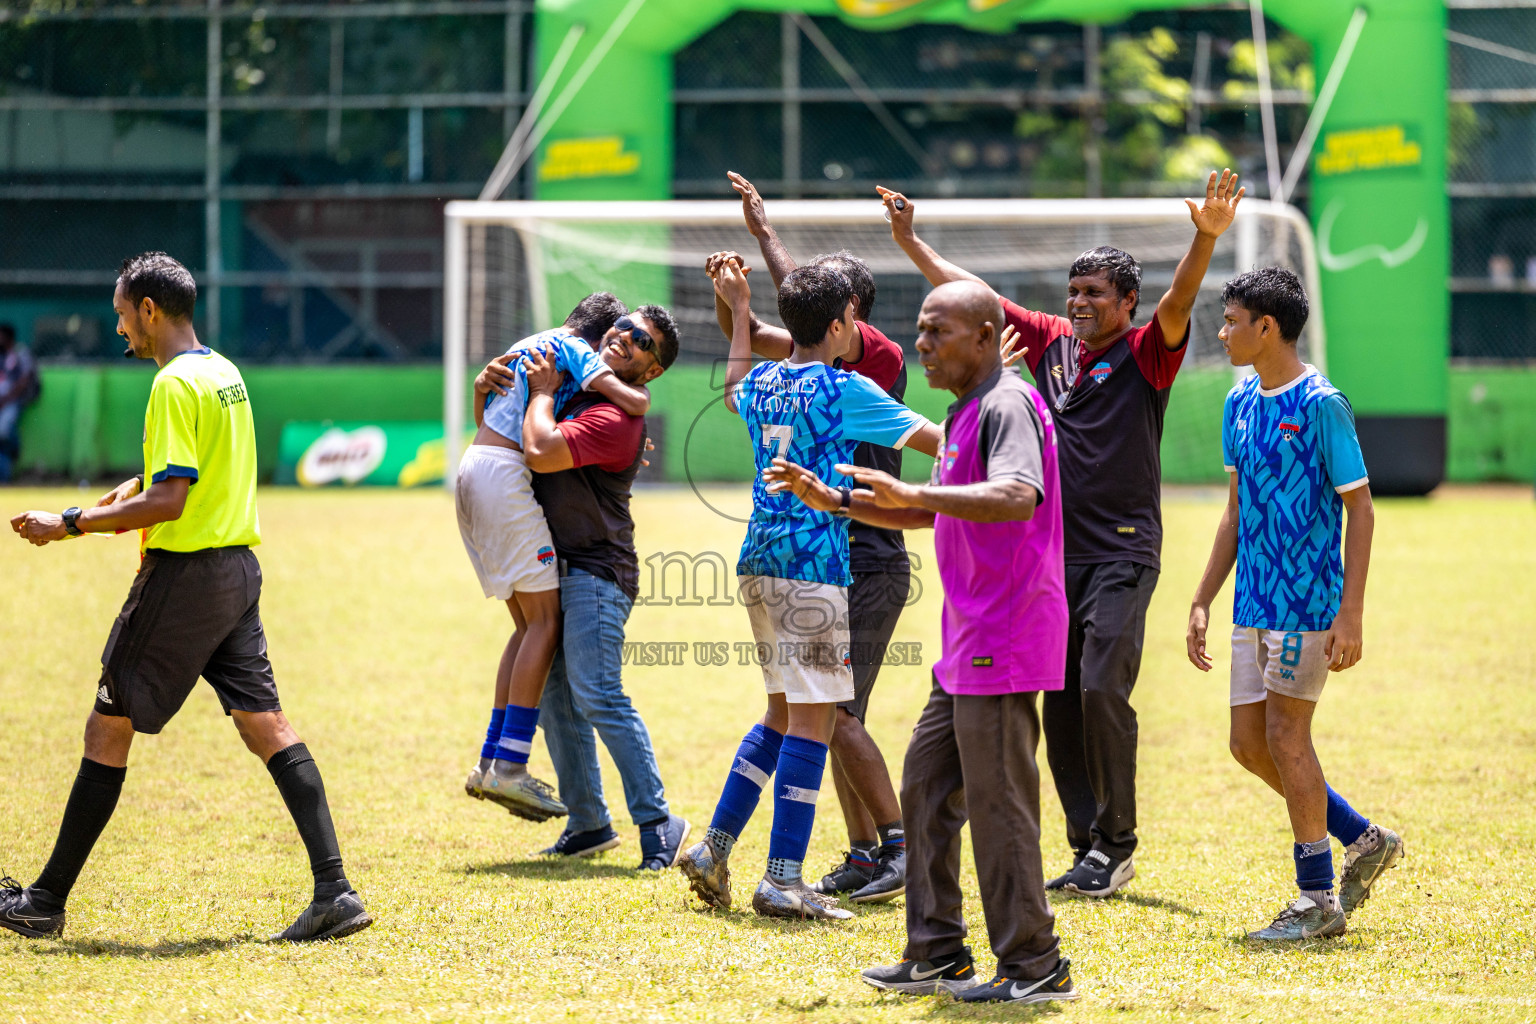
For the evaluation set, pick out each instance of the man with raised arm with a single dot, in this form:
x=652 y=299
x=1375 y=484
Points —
x=793 y=574
x=1107 y=383
x=874 y=870
x=994 y=508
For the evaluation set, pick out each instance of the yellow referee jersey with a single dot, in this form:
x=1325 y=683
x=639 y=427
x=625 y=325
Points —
x=199 y=426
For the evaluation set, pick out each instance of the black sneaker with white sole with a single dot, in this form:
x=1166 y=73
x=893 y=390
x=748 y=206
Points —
x=1056 y=985
x=332 y=918
x=1060 y=881
x=890 y=878
x=661 y=845
x=955 y=972
x=1099 y=875
x=583 y=844
x=21 y=914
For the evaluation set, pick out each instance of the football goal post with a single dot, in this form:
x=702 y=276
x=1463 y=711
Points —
x=512 y=269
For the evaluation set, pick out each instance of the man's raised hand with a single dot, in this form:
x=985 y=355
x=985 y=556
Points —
x=751 y=204
x=731 y=285
x=898 y=209
x=1005 y=347
x=1214 y=216
x=714 y=260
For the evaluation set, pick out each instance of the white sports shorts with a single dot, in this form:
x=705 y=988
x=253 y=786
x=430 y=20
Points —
x=801 y=629
x=502 y=523
x=1292 y=664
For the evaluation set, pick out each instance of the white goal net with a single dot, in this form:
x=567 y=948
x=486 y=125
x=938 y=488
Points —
x=516 y=268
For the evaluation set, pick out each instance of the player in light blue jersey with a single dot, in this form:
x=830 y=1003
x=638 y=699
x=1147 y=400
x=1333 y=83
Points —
x=794 y=575
x=1288 y=438
x=507 y=537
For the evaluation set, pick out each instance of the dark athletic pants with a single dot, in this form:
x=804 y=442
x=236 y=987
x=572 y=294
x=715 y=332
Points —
x=1090 y=726
x=991 y=741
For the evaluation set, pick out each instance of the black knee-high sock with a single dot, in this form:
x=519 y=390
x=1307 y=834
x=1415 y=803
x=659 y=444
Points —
x=90 y=807
x=298 y=780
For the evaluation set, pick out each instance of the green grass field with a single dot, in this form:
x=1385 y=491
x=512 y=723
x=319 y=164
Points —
x=384 y=652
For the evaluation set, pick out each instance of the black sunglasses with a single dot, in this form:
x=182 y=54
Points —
x=636 y=334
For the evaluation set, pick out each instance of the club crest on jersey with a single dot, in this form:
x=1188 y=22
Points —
x=951 y=453
x=1099 y=372
x=546 y=555
x=1289 y=430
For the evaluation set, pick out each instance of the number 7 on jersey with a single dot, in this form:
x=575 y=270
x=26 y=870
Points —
x=775 y=436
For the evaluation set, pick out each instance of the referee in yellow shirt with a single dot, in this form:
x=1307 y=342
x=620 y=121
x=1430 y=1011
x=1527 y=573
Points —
x=193 y=609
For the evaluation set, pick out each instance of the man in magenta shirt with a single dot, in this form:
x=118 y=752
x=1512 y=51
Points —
x=995 y=508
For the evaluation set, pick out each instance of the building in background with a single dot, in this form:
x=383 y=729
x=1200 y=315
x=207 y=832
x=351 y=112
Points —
x=297 y=155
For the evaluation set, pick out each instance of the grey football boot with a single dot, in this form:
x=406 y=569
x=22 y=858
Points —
x=1365 y=861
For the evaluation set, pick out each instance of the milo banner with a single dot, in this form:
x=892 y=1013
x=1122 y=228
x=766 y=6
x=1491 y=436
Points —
x=384 y=454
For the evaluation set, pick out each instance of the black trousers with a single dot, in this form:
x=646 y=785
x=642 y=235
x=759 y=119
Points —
x=973 y=757
x=1090 y=726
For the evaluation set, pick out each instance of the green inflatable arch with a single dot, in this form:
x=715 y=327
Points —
x=1378 y=198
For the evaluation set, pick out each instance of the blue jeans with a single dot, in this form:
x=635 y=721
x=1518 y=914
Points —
x=585 y=690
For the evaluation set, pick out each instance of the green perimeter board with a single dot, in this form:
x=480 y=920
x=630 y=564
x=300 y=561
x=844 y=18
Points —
x=1383 y=231
x=90 y=419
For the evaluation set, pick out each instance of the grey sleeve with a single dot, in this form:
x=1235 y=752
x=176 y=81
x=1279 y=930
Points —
x=1011 y=439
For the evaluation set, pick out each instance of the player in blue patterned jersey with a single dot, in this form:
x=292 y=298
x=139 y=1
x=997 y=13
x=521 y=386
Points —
x=813 y=412
x=1288 y=437
x=794 y=574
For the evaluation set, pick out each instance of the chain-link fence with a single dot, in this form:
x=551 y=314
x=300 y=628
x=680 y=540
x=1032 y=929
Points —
x=1492 y=165
x=295 y=156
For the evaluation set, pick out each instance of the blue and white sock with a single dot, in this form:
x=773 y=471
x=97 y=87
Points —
x=1344 y=822
x=493 y=734
x=756 y=759
x=1314 y=870
x=801 y=763
x=517 y=730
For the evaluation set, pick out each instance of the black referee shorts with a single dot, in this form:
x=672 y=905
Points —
x=875 y=602
x=187 y=615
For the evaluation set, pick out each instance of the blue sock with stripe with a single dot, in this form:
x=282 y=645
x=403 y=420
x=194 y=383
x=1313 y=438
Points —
x=801 y=763
x=493 y=733
x=517 y=730
x=756 y=759
x=1344 y=822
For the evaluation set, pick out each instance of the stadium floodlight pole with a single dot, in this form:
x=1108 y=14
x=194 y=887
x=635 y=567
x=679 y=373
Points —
x=511 y=158
x=1266 y=98
x=1325 y=95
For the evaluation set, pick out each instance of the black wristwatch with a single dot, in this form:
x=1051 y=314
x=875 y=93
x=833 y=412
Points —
x=845 y=501
x=70 y=515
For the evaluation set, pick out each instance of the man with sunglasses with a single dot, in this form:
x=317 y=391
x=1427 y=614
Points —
x=584 y=454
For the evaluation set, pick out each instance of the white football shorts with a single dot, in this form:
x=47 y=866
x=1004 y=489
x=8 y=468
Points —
x=1290 y=663
x=801 y=629
x=502 y=524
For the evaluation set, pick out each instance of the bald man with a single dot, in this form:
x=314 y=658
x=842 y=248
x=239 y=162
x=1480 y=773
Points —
x=995 y=509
